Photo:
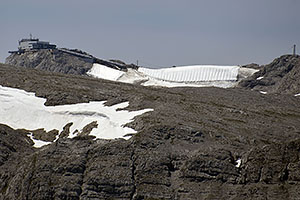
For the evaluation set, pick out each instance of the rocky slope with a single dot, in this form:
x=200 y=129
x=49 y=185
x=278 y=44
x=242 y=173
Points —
x=198 y=143
x=61 y=60
x=280 y=76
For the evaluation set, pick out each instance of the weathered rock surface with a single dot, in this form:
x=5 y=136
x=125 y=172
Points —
x=62 y=60
x=280 y=76
x=189 y=147
x=51 y=60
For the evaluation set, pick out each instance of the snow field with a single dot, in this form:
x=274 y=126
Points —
x=21 y=109
x=104 y=72
x=185 y=76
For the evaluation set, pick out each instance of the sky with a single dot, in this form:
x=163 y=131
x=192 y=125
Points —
x=158 y=33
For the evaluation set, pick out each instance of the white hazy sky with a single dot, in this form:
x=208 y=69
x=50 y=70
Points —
x=158 y=33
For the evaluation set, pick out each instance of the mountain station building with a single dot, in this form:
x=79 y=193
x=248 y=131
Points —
x=33 y=44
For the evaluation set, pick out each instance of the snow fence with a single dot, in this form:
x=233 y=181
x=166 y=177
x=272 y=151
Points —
x=197 y=73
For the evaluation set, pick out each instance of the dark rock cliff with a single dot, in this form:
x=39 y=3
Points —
x=280 y=76
x=189 y=147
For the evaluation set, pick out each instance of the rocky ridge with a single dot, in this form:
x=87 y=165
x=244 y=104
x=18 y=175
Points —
x=281 y=76
x=198 y=143
x=67 y=61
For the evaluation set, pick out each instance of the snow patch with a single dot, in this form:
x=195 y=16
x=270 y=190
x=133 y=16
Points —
x=104 y=72
x=262 y=92
x=161 y=83
x=133 y=76
x=238 y=162
x=23 y=110
x=297 y=95
x=244 y=72
x=38 y=143
x=259 y=78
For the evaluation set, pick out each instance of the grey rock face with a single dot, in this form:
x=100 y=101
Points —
x=280 y=76
x=62 y=60
x=51 y=60
x=14 y=145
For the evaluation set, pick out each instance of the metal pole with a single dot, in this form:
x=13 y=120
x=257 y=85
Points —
x=294 y=50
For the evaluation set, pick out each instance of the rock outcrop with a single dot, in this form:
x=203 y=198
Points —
x=280 y=76
x=62 y=60
x=51 y=60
